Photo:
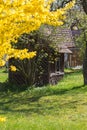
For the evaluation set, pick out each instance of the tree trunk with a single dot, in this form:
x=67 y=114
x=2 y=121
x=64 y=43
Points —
x=84 y=4
x=85 y=66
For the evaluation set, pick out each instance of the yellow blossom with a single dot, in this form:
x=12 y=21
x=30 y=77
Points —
x=2 y=119
x=13 y=68
x=2 y=62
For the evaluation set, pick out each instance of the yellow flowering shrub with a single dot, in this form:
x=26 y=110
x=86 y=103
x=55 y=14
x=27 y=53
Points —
x=2 y=119
x=2 y=62
x=23 y=16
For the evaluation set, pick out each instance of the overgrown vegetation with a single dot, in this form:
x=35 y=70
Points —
x=33 y=71
x=59 y=107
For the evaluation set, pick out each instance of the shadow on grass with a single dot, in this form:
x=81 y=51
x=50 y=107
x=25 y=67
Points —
x=6 y=86
x=64 y=91
x=32 y=105
x=42 y=91
x=27 y=104
x=13 y=101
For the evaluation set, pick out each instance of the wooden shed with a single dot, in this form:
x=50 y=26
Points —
x=52 y=46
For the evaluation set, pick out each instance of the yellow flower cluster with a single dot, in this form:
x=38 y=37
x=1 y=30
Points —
x=2 y=119
x=2 y=62
x=70 y=5
x=23 y=16
x=13 y=68
x=22 y=54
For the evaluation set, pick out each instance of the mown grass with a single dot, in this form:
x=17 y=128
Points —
x=59 y=107
x=3 y=74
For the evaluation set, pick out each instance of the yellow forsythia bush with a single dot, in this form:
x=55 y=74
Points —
x=23 y=16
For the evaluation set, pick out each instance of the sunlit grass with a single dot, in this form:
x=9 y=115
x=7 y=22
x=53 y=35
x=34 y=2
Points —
x=3 y=74
x=59 y=107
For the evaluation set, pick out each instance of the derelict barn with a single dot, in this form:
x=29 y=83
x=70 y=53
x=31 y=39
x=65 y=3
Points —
x=64 y=41
x=53 y=46
x=43 y=68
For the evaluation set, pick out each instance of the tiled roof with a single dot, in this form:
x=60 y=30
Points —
x=58 y=36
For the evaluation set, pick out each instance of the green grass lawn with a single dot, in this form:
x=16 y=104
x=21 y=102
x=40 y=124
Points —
x=3 y=75
x=59 y=107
